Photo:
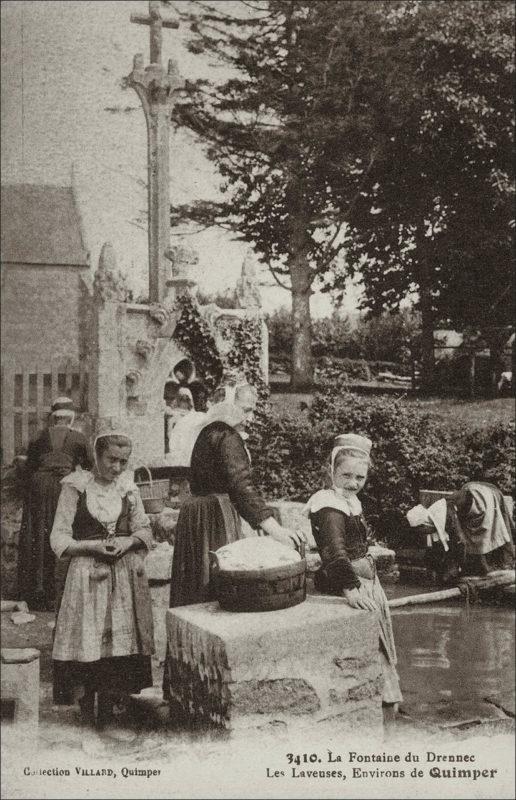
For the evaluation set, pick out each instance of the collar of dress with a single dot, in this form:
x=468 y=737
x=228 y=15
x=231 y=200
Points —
x=81 y=479
x=330 y=498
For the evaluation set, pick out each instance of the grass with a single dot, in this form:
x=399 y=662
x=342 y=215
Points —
x=476 y=413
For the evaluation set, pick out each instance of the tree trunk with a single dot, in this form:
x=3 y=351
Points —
x=427 y=378
x=496 y=340
x=427 y=381
x=302 y=366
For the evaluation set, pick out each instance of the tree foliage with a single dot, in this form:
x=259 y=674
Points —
x=437 y=213
x=315 y=96
x=393 y=116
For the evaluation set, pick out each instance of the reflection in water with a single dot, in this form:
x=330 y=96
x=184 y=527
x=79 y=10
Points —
x=454 y=652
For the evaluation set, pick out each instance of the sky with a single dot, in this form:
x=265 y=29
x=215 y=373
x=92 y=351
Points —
x=62 y=66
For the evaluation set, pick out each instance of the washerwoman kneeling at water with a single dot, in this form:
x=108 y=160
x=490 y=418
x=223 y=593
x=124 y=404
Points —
x=340 y=531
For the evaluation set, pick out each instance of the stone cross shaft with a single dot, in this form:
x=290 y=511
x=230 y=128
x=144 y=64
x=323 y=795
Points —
x=155 y=87
x=156 y=23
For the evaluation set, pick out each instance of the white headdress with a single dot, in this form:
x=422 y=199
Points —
x=61 y=408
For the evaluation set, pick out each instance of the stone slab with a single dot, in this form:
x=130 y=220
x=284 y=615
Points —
x=14 y=605
x=303 y=665
x=382 y=555
x=454 y=713
x=505 y=701
x=158 y=562
x=21 y=617
x=18 y=655
x=20 y=687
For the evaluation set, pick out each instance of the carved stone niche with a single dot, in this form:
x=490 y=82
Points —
x=132 y=382
x=144 y=348
x=158 y=313
x=183 y=259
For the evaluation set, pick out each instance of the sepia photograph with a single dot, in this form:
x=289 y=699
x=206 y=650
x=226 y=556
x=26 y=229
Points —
x=257 y=399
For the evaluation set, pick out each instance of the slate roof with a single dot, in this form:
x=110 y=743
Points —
x=40 y=225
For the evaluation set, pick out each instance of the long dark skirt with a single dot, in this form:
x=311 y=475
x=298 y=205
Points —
x=119 y=675
x=204 y=525
x=36 y=561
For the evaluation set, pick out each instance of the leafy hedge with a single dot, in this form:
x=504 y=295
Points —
x=391 y=337
x=333 y=370
x=412 y=450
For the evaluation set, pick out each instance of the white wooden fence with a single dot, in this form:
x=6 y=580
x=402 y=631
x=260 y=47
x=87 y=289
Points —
x=27 y=395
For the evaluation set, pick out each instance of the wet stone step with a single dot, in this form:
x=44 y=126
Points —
x=452 y=713
x=504 y=701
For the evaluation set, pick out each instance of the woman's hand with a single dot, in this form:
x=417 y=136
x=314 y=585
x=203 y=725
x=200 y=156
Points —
x=120 y=546
x=289 y=537
x=286 y=536
x=358 y=600
x=98 y=549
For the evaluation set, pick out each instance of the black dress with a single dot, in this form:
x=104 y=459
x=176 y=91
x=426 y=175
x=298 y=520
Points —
x=54 y=454
x=222 y=492
x=342 y=540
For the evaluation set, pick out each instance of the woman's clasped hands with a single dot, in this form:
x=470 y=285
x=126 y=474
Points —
x=110 y=551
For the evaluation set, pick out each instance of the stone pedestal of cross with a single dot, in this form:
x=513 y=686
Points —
x=155 y=87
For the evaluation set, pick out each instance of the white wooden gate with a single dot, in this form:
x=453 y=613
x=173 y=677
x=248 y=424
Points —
x=27 y=395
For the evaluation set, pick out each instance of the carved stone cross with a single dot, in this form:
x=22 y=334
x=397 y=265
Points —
x=156 y=23
x=155 y=88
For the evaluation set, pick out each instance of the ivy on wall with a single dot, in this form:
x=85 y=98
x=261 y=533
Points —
x=246 y=352
x=245 y=357
x=193 y=334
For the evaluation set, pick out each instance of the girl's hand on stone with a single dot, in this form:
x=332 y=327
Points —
x=357 y=600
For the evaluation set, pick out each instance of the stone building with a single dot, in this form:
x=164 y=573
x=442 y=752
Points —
x=67 y=330
x=45 y=268
x=44 y=280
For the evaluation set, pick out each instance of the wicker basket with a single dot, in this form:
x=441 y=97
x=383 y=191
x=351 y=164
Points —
x=268 y=589
x=153 y=493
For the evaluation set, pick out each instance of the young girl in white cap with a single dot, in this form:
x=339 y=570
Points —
x=340 y=530
x=104 y=631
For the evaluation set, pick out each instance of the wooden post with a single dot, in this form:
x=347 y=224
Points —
x=39 y=399
x=472 y=375
x=427 y=597
x=7 y=413
x=25 y=409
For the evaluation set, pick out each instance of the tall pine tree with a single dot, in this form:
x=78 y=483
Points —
x=317 y=92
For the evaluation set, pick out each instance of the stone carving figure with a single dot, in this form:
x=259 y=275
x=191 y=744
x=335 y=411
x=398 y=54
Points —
x=109 y=283
x=247 y=291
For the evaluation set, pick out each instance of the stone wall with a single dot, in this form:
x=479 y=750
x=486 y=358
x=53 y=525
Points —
x=10 y=523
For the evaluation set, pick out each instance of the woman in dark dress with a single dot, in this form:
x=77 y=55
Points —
x=56 y=452
x=222 y=492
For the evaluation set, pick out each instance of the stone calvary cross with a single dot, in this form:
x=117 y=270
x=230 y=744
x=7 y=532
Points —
x=155 y=88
